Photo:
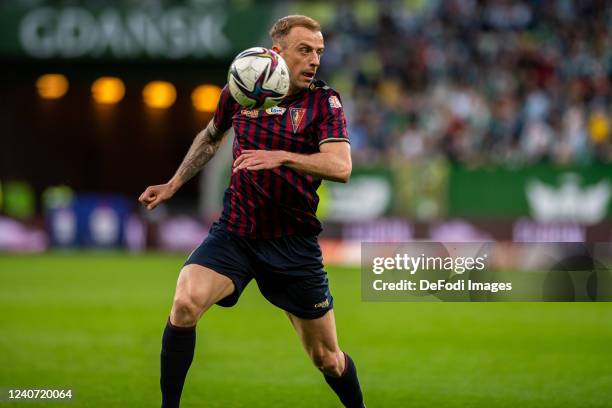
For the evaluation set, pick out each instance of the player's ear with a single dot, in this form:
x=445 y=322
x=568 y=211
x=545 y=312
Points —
x=276 y=48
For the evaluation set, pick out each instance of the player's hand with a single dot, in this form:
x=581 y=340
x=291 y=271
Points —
x=259 y=160
x=154 y=195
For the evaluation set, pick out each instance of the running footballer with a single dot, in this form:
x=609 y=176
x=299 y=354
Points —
x=268 y=229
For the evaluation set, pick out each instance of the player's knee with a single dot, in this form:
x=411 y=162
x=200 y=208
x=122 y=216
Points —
x=185 y=310
x=327 y=362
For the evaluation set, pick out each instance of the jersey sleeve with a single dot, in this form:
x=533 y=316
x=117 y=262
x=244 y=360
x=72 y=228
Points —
x=226 y=108
x=332 y=127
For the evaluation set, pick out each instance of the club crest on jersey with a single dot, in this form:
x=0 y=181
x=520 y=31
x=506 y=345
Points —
x=334 y=102
x=275 y=110
x=250 y=113
x=297 y=114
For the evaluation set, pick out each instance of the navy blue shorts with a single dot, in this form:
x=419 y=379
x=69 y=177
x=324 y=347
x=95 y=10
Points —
x=288 y=270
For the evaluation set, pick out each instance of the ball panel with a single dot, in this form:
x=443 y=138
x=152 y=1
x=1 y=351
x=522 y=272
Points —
x=239 y=96
x=258 y=78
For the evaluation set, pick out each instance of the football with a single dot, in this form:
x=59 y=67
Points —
x=258 y=78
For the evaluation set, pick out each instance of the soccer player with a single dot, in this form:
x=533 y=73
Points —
x=268 y=229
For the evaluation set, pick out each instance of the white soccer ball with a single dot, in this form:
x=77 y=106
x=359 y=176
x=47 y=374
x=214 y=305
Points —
x=258 y=78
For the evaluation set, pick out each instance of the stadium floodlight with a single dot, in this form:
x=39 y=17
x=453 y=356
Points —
x=159 y=94
x=52 y=86
x=206 y=97
x=108 y=90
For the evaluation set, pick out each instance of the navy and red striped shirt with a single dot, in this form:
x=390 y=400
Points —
x=281 y=201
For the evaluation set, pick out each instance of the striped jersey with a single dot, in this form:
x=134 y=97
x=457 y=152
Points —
x=281 y=201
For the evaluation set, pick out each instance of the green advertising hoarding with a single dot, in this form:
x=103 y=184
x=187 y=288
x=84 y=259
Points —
x=369 y=195
x=545 y=192
x=132 y=30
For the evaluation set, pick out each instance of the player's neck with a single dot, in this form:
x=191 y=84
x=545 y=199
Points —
x=294 y=90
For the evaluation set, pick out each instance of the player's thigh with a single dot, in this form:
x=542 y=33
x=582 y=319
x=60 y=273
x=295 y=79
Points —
x=318 y=336
x=201 y=287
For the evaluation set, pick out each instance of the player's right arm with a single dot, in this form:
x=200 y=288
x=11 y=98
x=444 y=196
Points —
x=203 y=148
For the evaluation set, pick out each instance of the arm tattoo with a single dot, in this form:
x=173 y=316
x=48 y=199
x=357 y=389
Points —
x=203 y=148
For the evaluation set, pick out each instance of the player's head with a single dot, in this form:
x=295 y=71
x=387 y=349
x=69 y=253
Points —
x=299 y=41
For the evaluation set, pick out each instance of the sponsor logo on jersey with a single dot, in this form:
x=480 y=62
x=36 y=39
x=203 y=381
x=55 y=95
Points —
x=297 y=114
x=334 y=102
x=250 y=113
x=322 y=305
x=275 y=110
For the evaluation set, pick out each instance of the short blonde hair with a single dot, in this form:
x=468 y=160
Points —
x=281 y=28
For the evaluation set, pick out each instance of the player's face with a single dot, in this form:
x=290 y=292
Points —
x=302 y=50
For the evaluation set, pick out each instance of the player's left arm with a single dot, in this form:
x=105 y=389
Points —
x=332 y=162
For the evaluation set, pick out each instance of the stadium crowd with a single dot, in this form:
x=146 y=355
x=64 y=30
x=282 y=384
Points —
x=477 y=81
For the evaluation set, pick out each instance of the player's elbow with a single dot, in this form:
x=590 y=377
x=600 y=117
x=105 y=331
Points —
x=344 y=173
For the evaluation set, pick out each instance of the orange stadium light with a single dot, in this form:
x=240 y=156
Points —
x=108 y=90
x=159 y=94
x=52 y=86
x=206 y=97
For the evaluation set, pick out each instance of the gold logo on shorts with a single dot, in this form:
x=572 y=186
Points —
x=322 y=304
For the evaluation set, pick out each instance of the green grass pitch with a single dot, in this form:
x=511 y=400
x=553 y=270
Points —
x=92 y=322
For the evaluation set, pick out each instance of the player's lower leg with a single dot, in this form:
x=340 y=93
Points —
x=345 y=383
x=198 y=288
x=178 y=345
